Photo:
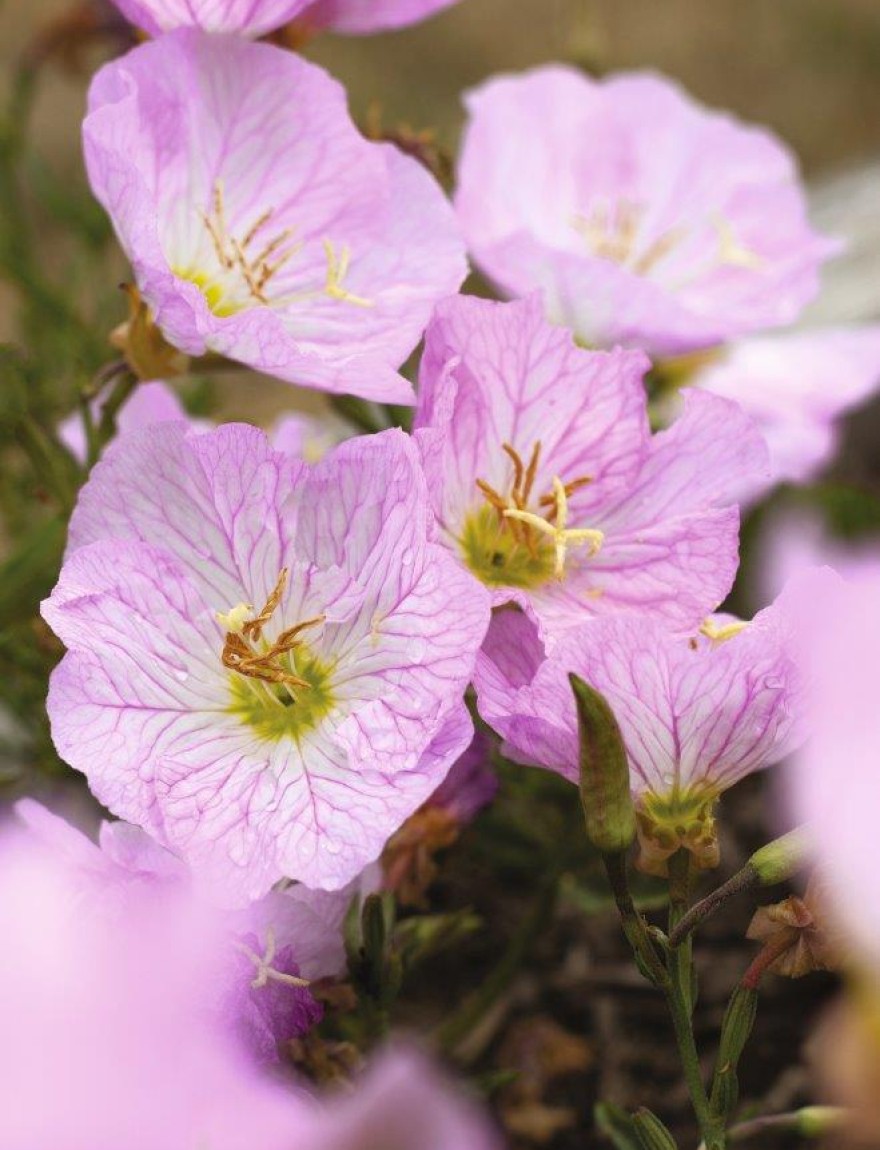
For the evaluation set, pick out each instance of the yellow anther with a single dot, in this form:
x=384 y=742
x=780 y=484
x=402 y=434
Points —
x=266 y=972
x=721 y=634
x=234 y=620
x=558 y=530
x=337 y=270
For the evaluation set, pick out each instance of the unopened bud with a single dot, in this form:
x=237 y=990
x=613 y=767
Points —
x=651 y=1132
x=816 y=1121
x=782 y=859
x=739 y=1019
x=604 y=783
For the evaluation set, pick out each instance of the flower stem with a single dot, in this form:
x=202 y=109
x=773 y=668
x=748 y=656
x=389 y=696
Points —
x=679 y=996
x=743 y=880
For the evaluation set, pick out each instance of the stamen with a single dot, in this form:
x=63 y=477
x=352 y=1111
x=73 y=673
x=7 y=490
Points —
x=240 y=655
x=562 y=535
x=337 y=270
x=726 y=631
x=731 y=251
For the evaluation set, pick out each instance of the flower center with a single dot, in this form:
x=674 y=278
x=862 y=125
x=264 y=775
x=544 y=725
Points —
x=614 y=230
x=506 y=544
x=244 y=269
x=278 y=687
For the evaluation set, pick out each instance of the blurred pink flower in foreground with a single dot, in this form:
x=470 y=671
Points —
x=697 y=713
x=105 y=1042
x=548 y=485
x=257 y=17
x=267 y=661
x=644 y=218
x=835 y=786
x=259 y=223
x=259 y=1000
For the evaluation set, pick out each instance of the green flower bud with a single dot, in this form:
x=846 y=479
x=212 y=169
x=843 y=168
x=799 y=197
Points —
x=781 y=859
x=651 y=1132
x=739 y=1018
x=604 y=784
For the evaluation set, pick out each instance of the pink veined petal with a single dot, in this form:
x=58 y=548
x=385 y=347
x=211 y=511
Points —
x=691 y=711
x=251 y=17
x=213 y=501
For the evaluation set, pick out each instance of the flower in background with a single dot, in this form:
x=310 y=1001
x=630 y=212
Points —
x=108 y=1011
x=796 y=386
x=259 y=223
x=261 y=16
x=697 y=712
x=276 y=947
x=266 y=661
x=548 y=485
x=644 y=218
x=303 y=436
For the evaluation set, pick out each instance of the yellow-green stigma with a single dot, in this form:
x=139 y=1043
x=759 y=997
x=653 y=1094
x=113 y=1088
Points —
x=276 y=711
x=681 y=819
x=497 y=557
x=507 y=544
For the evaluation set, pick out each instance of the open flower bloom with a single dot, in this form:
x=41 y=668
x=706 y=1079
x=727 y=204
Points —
x=796 y=386
x=105 y=1041
x=275 y=947
x=267 y=661
x=644 y=218
x=259 y=223
x=697 y=712
x=548 y=485
x=260 y=16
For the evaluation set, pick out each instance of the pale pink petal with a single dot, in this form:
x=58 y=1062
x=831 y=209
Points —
x=644 y=218
x=356 y=17
x=190 y=117
x=796 y=386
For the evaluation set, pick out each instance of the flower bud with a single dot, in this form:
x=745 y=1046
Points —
x=780 y=860
x=739 y=1019
x=652 y=1134
x=604 y=783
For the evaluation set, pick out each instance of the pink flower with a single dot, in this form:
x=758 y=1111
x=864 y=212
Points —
x=259 y=223
x=105 y=1042
x=548 y=485
x=796 y=386
x=697 y=712
x=644 y=218
x=261 y=16
x=835 y=786
x=266 y=661
x=274 y=947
